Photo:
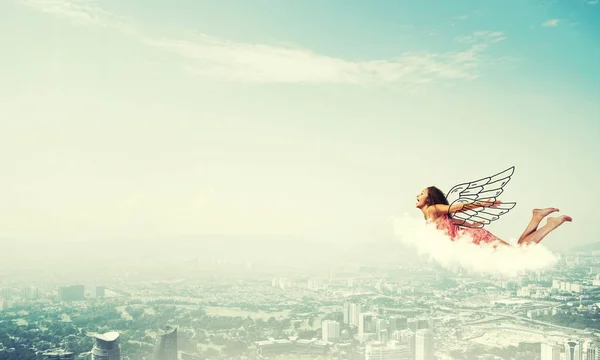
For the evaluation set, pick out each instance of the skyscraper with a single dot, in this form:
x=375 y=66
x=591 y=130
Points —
x=397 y=322
x=573 y=350
x=591 y=349
x=346 y=313
x=166 y=344
x=100 y=291
x=354 y=311
x=366 y=324
x=330 y=330
x=106 y=346
x=424 y=345
x=408 y=337
x=550 y=351
x=71 y=293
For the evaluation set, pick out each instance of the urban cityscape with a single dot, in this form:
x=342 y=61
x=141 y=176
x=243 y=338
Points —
x=299 y=180
x=227 y=308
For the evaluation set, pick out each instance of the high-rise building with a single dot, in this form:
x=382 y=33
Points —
x=573 y=350
x=407 y=336
x=424 y=345
x=58 y=354
x=330 y=330
x=106 y=346
x=71 y=293
x=423 y=324
x=100 y=291
x=366 y=323
x=383 y=336
x=412 y=324
x=550 y=351
x=397 y=322
x=354 y=311
x=166 y=344
x=591 y=349
x=29 y=292
x=346 y=313
x=381 y=330
x=391 y=351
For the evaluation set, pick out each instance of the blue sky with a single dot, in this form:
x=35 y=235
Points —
x=313 y=118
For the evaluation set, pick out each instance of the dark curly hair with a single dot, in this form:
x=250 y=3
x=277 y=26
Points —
x=435 y=196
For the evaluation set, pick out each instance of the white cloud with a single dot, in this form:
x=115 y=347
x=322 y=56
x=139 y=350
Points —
x=81 y=12
x=550 y=23
x=503 y=261
x=593 y=2
x=208 y=56
x=264 y=63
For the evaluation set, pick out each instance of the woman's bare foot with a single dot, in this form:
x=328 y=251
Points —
x=555 y=222
x=542 y=213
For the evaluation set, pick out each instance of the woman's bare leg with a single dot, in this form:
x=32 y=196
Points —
x=536 y=218
x=539 y=234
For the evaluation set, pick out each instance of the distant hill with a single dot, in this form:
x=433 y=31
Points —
x=587 y=247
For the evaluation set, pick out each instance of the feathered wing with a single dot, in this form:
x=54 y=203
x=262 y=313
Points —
x=480 y=190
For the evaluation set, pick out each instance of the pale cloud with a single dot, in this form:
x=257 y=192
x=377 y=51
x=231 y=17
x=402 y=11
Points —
x=276 y=64
x=81 y=12
x=481 y=37
x=212 y=57
x=551 y=23
x=593 y=2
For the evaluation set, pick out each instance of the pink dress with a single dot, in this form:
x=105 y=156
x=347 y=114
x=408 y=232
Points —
x=479 y=235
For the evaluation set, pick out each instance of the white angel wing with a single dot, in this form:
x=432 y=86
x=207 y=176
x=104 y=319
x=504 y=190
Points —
x=480 y=190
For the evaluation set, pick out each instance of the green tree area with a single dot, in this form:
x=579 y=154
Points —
x=573 y=321
x=523 y=351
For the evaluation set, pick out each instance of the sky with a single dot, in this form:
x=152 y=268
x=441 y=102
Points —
x=316 y=119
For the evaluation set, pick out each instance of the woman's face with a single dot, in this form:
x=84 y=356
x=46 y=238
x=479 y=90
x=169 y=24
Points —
x=422 y=198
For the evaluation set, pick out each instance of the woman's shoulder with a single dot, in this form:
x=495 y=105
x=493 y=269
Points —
x=433 y=216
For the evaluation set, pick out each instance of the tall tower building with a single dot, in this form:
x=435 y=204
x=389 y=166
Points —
x=397 y=322
x=106 y=346
x=381 y=330
x=424 y=345
x=166 y=344
x=408 y=337
x=330 y=330
x=550 y=351
x=573 y=350
x=346 y=313
x=366 y=323
x=354 y=312
x=412 y=324
x=71 y=293
x=591 y=349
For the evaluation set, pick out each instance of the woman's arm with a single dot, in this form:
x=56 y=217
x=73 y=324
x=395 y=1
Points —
x=451 y=209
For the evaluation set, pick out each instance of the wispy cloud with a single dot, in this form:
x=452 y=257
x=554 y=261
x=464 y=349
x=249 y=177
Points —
x=209 y=56
x=265 y=63
x=550 y=23
x=81 y=12
x=593 y=2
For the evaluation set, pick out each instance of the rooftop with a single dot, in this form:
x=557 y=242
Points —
x=109 y=336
